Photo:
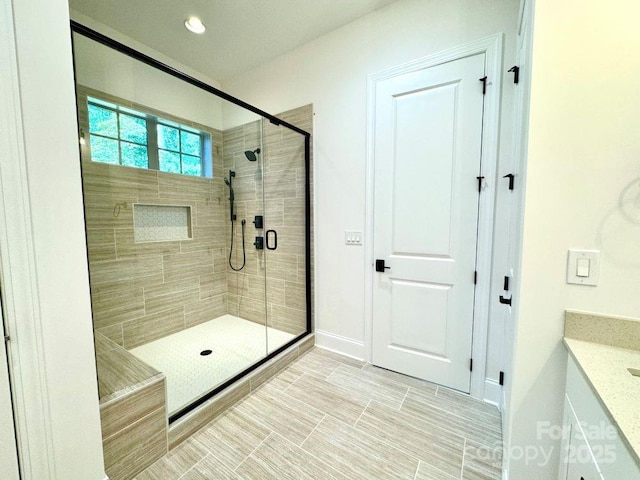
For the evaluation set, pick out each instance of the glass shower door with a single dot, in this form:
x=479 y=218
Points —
x=285 y=234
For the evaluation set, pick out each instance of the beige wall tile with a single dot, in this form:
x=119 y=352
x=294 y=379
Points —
x=140 y=271
x=111 y=306
x=118 y=371
x=282 y=266
x=104 y=344
x=105 y=179
x=151 y=327
x=113 y=333
x=213 y=285
x=101 y=244
x=167 y=295
x=295 y=295
x=133 y=449
x=187 y=265
x=104 y=210
x=184 y=187
x=205 y=310
x=124 y=411
x=126 y=246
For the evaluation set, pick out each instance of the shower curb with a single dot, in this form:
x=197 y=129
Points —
x=182 y=429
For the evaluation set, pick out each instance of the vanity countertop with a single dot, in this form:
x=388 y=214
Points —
x=604 y=348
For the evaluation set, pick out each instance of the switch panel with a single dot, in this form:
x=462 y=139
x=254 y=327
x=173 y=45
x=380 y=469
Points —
x=352 y=238
x=583 y=267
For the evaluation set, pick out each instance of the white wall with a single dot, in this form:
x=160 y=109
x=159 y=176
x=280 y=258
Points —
x=583 y=191
x=107 y=70
x=45 y=277
x=331 y=72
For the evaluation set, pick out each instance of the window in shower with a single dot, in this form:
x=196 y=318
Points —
x=121 y=136
x=117 y=135
x=179 y=149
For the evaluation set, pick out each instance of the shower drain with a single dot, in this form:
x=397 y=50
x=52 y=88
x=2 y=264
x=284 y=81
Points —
x=204 y=353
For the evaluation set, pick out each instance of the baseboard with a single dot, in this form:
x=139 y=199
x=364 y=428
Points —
x=343 y=345
x=493 y=393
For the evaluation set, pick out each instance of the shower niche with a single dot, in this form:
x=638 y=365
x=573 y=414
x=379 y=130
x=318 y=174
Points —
x=198 y=221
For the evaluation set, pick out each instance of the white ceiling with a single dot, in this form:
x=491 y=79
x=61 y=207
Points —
x=241 y=34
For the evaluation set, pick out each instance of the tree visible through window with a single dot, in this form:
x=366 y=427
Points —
x=179 y=150
x=121 y=136
x=117 y=137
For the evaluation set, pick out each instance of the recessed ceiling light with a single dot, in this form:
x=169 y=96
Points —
x=195 y=25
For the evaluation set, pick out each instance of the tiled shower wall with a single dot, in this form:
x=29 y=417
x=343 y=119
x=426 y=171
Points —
x=144 y=291
x=278 y=176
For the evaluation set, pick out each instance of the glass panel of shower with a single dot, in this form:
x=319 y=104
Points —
x=197 y=221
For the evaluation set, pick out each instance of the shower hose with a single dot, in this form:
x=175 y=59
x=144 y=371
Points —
x=244 y=255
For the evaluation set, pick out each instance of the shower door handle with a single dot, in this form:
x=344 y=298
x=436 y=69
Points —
x=275 y=239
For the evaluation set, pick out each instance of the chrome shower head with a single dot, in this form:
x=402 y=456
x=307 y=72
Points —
x=251 y=154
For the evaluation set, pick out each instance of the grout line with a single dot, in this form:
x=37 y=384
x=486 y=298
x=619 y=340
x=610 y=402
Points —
x=253 y=451
x=314 y=429
x=323 y=462
x=437 y=388
x=365 y=409
x=194 y=465
x=415 y=475
x=303 y=374
x=464 y=451
x=404 y=398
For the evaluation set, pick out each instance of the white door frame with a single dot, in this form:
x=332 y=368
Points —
x=20 y=288
x=492 y=48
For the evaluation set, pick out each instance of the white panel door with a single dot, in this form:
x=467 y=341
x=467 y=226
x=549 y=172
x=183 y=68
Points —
x=8 y=451
x=428 y=139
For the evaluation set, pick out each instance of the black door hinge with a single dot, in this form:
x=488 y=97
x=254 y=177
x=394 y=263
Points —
x=501 y=380
x=506 y=284
x=480 y=183
x=505 y=301
x=475 y=277
x=484 y=84
x=516 y=73
x=471 y=364
x=511 y=178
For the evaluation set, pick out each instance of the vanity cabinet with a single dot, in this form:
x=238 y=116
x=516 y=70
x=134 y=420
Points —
x=592 y=447
x=579 y=462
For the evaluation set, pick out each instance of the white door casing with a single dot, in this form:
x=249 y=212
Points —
x=428 y=140
x=492 y=48
x=516 y=219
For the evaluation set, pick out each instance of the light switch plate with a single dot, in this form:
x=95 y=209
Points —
x=580 y=258
x=352 y=237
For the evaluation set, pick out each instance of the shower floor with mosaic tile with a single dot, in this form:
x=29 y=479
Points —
x=199 y=358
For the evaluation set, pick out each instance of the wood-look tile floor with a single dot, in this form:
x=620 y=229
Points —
x=331 y=417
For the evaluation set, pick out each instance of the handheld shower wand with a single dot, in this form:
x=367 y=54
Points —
x=229 y=182
x=232 y=216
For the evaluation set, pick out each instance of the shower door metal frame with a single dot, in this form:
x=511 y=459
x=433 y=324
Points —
x=120 y=47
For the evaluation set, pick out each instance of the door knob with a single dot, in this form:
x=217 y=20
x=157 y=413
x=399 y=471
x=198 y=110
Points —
x=380 y=266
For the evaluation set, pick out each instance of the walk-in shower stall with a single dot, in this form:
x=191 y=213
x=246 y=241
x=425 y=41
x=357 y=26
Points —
x=197 y=213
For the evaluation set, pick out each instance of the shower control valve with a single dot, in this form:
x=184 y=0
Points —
x=259 y=243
